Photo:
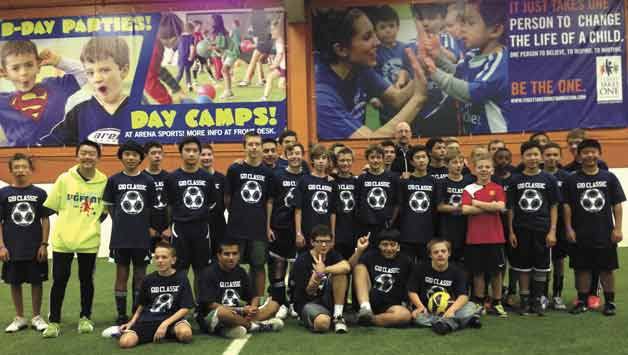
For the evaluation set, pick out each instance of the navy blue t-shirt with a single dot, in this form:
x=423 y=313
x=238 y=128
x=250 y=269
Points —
x=228 y=288
x=389 y=277
x=346 y=226
x=163 y=296
x=282 y=164
x=190 y=195
x=316 y=198
x=531 y=199
x=217 y=210
x=452 y=226
x=376 y=197
x=302 y=272
x=283 y=192
x=425 y=281
x=21 y=209
x=159 y=215
x=560 y=176
x=417 y=206
x=438 y=173
x=130 y=200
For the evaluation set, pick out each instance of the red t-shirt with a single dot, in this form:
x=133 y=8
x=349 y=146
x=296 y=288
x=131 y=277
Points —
x=485 y=228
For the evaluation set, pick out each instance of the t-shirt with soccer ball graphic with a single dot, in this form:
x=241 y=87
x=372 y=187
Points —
x=425 y=281
x=389 y=277
x=346 y=231
x=159 y=214
x=226 y=287
x=217 y=209
x=417 y=206
x=190 y=195
x=591 y=198
x=560 y=175
x=376 y=197
x=21 y=210
x=130 y=200
x=283 y=192
x=249 y=188
x=316 y=198
x=302 y=272
x=438 y=173
x=531 y=198
x=163 y=296
x=452 y=226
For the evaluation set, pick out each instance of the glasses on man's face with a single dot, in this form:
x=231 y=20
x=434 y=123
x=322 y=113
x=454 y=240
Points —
x=322 y=242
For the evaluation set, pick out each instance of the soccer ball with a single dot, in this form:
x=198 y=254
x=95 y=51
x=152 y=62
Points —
x=530 y=201
x=231 y=298
x=23 y=214
x=132 y=202
x=348 y=202
x=384 y=282
x=193 y=198
x=438 y=303
x=455 y=200
x=320 y=202
x=160 y=202
x=287 y=200
x=419 y=202
x=251 y=192
x=377 y=198
x=592 y=200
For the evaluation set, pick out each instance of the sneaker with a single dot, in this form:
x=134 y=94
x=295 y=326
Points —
x=122 y=319
x=263 y=98
x=340 y=326
x=558 y=304
x=282 y=312
x=85 y=325
x=261 y=84
x=481 y=308
x=580 y=307
x=365 y=315
x=498 y=310
x=271 y=325
x=244 y=83
x=18 y=324
x=525 y=309
x=541 y=305
x=39 y=323
x=475 y=322
x=236 y=332
x=111 y=332
x=593 y=302
x=53 y=330
x=227 y=95
x=293 y=312
x=609 y=309
x=441 y=328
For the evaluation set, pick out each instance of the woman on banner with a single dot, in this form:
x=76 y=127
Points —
x=345 y=56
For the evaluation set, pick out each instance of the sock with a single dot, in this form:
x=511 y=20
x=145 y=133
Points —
x=524 y=295
x=513 y=277
x=558 y=279
x=136 y=297
x=278 y=291
x=365 y=305
x=120 y=302
x=609 y=297
x=582 y=297
x=338 y=308
x=539 y=284
x=595 y=282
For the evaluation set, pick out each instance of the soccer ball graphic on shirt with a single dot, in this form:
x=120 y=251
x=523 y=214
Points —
x=320 y=202
x=419 y=202
x=251 y=192
x=132 y=202
x=530 y=201
x=162 y=303
x=23 y=214
x=377 y=198
x=384 y=282
x=193 y=198
x=288 y=199
x=348 y=202
x=455 y=200
x=592 y=200
x=231 y=298
x=160 y=202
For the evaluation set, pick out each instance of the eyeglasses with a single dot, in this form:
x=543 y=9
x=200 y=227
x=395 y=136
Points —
x=322 y=242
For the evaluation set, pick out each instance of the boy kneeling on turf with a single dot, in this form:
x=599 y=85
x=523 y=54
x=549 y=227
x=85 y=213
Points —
x=438 y=292
x=224 y=292
x=165 y=299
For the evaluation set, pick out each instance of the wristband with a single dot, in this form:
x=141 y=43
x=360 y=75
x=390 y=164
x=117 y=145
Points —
x=320 y=275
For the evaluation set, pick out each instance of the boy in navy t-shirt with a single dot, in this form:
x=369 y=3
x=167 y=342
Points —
x=154 y=152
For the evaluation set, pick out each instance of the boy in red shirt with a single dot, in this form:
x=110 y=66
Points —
x=482 y=201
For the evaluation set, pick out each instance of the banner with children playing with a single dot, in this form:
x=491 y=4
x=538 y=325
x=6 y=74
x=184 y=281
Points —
x=484 y=66
x=111 y=78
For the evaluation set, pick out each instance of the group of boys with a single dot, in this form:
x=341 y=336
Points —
x=392 y=231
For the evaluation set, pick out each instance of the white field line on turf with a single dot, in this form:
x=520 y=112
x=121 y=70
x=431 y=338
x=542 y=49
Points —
x=236 y=346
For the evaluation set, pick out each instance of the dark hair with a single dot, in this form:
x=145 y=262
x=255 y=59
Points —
x=552 y=145
x=170 y=26
x=529 y=145
x=89 y=143
x=383 y=13
x=190 y=140
x=536 y=134
x=334 y=26
x=286 y=133
x=576 y=133
x=101 y=48
x=164 y=244
x=131 y=146
x=417 y=148
x=373 y=148
x=392 y=235
x=345 y=150
x=295 y=145
x=504 y=149
x=207 y=146
x=227 y=243
x=20 y=156
x=493 y=13
x=17 y=47
x=589 y=143
x=317 y=151
x=495 y=141
x=250 y=134
x=269 y=140
x=218 y=26
x=152 y=144
x=388 y=143
x=428 y=11
x=429 y=145
x=320 y=230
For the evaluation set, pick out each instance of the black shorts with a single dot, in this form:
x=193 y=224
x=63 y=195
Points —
x=417 y=252
x=484 y=258
x=264 y=46
x=531 y=252
x=379 y=304
x=345 y=250
x=284 y=246
x=24 y=271
x=126 y=256
x=254 y=253
x=593 y=259
x=193 y=245
x=145 y=331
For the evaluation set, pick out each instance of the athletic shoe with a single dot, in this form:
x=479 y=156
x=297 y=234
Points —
x=293 y=312
x=111 y=332
x=558 y=304
x=593 y=302
x=609 y=309
x=340 y=326
x=227 y=95
x=498 y=310
x=39 y=323
x=282 y=313
x=365 y=315
x=525 y=309
x=85 y=325
x=264 y=98
x=441 y=328
x=234 y=332
x=53 y=330
x=541 y=305
x=271 y=325
x=18 y=324
x=475 y=322
x=122 y=319
x=261 y=84
x=580 y=307
x=244 y=83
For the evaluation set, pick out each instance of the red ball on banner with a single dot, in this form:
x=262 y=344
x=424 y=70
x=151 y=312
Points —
x=206 y=90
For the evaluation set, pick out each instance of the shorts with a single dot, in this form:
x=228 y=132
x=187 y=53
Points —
x=264 y=46
x=254 y=253
x=284 y=247
x=193 y=245
x=228 y=60
x=126 y=256
x=417 y=252
x=312 y=310
x=345 y=250
x=531 y=253
x=561 y=249
x=201 y=59
x=593 y=259
x=484 y=258
x=282 y=72
x=145 y=331
x=378 y=304
x=24 y=271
